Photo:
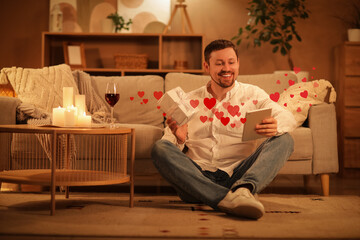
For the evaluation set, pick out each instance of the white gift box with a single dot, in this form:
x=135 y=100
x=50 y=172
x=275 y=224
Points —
x=176 y=104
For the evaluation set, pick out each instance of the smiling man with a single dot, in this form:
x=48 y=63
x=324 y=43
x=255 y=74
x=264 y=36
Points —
x=207 y=161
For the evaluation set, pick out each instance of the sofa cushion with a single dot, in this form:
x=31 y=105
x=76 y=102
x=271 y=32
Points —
x=145 y=137
x=303 y=144
x=271 y=83
x=138 y=98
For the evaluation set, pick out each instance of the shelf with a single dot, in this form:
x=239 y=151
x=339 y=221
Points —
x=162 y=51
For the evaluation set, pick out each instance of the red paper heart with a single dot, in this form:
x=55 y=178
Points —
x=194 y=103
x=141 y=93
x=297 y=70
x=316 y=84
x=158 y=107
x=158 y=94
x=285 y=104
x=304 y=94
x=131 y=98
x=203 y=118
x=219 y=115
x=225 y=120
x=233 y=125
x=226 y=104
x=255 y=102
x=243 y=120
x=304 y=79
x=291 y=95
x=291 y=82
x=145 y=100
x=211 y=119
x=285 y=74
x=242 y=104
x=278 y=82
x=209 y=102
x=164 y=114
x=233 y=110
x=275 y=96
x=299 y=109
x=238 y=114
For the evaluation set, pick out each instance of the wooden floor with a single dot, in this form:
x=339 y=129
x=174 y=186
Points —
x=282 y=184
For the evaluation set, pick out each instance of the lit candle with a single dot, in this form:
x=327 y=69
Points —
x=80 y=103
x=84 y=120
x=68 y=97
x=70 y=116
x=58 y=116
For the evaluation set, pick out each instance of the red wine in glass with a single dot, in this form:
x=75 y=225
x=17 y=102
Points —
x=112 y=96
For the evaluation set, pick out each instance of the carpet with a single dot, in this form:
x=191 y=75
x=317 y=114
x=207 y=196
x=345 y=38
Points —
x=107 y=215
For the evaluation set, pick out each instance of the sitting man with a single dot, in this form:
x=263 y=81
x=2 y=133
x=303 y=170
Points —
x=218 y=168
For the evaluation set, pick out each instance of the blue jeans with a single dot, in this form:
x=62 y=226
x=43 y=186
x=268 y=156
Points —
x=195 y=185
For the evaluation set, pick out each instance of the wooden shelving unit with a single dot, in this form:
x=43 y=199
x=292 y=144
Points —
x=347 y=86
x=162 y=51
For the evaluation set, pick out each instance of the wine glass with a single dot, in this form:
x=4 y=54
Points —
x=112 y=96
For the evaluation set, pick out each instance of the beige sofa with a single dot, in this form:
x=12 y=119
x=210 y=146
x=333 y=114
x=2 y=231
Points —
x=315 y=141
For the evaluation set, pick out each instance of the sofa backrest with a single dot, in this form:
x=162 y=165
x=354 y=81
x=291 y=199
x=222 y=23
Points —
x=271 y=83
x=138 y=98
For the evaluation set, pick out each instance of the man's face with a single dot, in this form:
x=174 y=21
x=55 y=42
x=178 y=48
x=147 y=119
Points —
x=223 y=67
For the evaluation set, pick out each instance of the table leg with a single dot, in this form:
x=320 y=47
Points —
x=53 y=168
x=132 y=157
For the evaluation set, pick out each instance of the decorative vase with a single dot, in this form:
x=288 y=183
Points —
x=107 y=26
x=354 y=35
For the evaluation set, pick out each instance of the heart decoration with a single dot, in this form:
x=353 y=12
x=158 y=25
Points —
x=141 y=93
x=219 y=115
x=226 y=104
x=297 y=70
x=203 y=118
x=304 y=94
x=243 y=120
x=158 y=94
x=275 y=96
x=158 y=107
x=233 y=125
x=209 y=102
x=131 y=98
x=145 y=100
x=278 y=82
x=285 y=104
x=291 y=82
x=304 y=79
x=316 y=84
x=211 y=119
x=298 y=109
x=285 y=74
x=233 y=110
x=225 y=120
x=255 y=102
x=291 y=95
x=194 y=103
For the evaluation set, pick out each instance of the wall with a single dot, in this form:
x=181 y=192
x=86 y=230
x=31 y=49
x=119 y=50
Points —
x=22 y=21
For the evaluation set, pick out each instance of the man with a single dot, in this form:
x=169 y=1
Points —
x=219 y=169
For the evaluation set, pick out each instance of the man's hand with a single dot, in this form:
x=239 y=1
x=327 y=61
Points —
x=268 y=127
x=180 y=132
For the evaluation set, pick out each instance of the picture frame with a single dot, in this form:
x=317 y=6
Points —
x=74 y=54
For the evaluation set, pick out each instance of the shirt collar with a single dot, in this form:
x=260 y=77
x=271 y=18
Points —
x=229 y=94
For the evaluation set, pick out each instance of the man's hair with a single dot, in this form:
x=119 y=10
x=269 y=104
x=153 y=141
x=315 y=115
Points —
x=217 y=45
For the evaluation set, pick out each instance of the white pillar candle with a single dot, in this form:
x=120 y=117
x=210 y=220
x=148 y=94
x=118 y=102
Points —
x=58 y=116
x=80 y=103
x=70 y=117
x=68 y=97
x=84 y=120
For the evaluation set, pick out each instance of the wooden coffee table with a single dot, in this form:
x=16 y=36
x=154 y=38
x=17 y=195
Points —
x=86 y=156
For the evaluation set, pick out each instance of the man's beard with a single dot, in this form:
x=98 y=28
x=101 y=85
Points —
x=219 y=83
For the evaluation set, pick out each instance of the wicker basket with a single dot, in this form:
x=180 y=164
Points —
x=131 y=61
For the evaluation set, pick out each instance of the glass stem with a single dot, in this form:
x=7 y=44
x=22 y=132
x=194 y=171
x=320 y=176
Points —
x=112 y=115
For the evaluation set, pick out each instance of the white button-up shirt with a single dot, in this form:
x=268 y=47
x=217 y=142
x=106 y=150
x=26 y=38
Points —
x=214 y=142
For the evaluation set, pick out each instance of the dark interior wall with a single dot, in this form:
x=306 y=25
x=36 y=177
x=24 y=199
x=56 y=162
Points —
x=21 y=24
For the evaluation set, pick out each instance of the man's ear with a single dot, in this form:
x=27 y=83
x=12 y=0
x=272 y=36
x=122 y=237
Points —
x=206 y=66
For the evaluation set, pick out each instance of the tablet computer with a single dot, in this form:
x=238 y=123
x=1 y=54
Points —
x=252 y=118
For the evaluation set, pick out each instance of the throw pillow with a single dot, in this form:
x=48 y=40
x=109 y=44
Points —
x=41 y=87
x=301 y=96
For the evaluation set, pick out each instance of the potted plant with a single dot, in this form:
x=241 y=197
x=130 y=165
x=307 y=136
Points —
x=119 y=22
x=273 y=21
x=352 y=23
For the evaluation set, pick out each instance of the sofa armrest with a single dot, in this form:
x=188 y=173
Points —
x=322 y=122
x=8 y=107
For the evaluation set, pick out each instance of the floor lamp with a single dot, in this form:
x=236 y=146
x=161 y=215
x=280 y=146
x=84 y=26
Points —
x=184 y=16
